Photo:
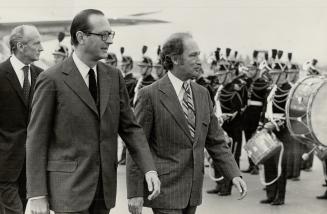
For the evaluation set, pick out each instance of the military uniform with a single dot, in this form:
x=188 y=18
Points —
x=232 y=102
x=276 y=191
x=257 y=94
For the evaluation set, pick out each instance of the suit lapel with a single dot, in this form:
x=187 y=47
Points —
x=75 y=81
x=170 y=100
x=197 y=99
x=12 y=77
x=104 y=84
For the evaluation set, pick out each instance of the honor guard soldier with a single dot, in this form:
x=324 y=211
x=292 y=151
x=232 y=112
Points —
x=275 y=115
x=146 y=74
x=112 y=59
x=257 y=94
x=158 y=68
x=60 y=54
x=232 y=104
x=296 y=148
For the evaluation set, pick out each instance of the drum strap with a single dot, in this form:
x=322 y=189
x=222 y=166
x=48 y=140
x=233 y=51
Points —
x=269 y=111
x=279 y=169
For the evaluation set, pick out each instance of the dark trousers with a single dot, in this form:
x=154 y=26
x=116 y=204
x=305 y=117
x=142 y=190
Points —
x=187 y=210
x=251 y=121
x=234 y=130
x=13 y=195
x=10 y=202
x=277 y=190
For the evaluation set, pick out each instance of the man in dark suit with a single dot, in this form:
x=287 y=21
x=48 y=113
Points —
x=79 y=108
x=17 y=79
x=178 y=120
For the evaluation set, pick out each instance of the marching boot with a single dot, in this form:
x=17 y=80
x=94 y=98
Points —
x=216 y=190
x=277 y=202
x=324 y=196
x=226 y=189
x=266 y=201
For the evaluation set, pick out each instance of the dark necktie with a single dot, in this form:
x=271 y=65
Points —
x=93 y=85
x=26 y=83
x=188 y=108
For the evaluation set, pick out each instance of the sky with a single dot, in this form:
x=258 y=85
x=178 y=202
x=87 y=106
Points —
x=297 y=26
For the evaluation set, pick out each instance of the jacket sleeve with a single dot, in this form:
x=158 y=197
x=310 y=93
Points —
x=38 y=135
x=144 y=114
x=217 y=148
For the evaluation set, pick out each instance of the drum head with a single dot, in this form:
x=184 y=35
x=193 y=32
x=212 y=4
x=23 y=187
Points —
x=319 y=114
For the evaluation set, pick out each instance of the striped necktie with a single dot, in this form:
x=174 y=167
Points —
x=188 y=108
x=26 y=83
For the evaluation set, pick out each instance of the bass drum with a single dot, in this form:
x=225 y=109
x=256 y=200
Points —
x=306 y=110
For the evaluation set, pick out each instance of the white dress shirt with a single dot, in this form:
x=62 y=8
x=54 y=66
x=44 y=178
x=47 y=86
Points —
x=18 y=68
x=178 y=86
x=84 y=69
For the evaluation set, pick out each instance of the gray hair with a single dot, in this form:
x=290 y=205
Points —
x=17 y=35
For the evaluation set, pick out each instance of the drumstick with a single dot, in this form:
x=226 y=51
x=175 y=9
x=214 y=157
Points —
x=305 y=156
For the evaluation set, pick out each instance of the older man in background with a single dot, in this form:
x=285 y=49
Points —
x=17 y=78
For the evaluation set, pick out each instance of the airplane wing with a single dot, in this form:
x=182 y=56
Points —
x=53 y=27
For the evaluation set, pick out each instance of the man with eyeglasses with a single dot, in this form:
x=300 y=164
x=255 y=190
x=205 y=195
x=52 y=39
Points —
x=79 y=108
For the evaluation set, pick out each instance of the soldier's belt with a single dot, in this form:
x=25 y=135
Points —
x=254 y=103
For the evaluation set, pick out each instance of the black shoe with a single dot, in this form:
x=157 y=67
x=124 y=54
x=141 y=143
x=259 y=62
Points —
x=266 y=201
x=324 y=196
x=213 y=191
x=296 y=178
x=277 y=202
x=247 y=170
x=224 y=193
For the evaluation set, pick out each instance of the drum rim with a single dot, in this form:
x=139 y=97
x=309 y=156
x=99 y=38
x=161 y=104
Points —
x=310 y=101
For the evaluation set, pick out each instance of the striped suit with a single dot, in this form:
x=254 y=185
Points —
x=178 y=156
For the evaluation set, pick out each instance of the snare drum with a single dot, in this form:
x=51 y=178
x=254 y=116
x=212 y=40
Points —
x=306 y=110
x=262 y=146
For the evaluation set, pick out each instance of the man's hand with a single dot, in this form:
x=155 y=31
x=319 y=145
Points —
x=241 y=186
x=153 y=184
x=37 y=206
x=135 y=205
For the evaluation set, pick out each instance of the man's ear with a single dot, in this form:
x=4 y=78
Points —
x=175 y=60
x=80 y=37
x=20 y=46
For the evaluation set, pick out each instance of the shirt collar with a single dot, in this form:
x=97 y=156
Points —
x=82 y=67
x=16 y=63
x=177 y=83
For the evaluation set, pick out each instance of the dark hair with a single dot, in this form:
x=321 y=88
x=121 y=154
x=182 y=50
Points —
x=174 y=46
x=81 y=23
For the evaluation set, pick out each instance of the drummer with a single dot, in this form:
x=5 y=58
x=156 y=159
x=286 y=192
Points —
x=296 y=147
x=257 y=94
x=275 y=122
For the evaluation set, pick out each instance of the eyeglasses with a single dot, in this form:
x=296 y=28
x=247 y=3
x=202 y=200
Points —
x=104 y=36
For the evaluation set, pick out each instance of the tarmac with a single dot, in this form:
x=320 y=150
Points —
x=300 y=195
